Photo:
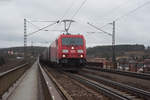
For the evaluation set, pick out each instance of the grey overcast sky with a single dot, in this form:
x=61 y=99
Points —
x=131 y=29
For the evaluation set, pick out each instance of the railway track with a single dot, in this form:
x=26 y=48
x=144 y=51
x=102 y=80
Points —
x=10 y=65
x=104 y=88
x=131 y=81
x=70 y=89
x=125 y=73
x=9 y=77
x=109 y=91
x=54 y=89
x=123 y=87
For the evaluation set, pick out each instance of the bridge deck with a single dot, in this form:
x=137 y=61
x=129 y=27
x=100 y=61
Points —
x=28 y=88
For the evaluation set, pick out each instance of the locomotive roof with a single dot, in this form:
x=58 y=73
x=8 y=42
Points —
x=71 y=35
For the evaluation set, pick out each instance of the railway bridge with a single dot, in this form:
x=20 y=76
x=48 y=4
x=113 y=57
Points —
x=38 y=81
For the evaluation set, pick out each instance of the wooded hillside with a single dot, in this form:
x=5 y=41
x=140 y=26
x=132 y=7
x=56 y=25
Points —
x=121 y=50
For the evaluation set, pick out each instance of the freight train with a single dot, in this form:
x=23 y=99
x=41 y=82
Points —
x=67 y=50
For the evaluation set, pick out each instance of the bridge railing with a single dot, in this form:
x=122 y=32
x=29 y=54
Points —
x=8 y=78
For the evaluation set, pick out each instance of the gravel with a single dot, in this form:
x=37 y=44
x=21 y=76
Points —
x=75 y=89
x=132 y=81
x=10 y=64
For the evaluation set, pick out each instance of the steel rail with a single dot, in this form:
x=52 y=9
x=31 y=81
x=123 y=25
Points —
x=99 y=87
x=125 y=73
x=58 y=91
x=13 y=69
x=136 y=91
x=8 y=78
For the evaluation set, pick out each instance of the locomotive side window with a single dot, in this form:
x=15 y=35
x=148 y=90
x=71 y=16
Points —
x=72 y=41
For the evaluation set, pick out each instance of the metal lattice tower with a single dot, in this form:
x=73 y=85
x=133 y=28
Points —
x=25 y=38
x=113 y=47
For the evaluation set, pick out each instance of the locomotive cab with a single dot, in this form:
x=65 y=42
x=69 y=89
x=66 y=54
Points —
x=72 y=50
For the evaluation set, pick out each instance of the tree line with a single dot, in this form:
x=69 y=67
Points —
x=121 y=50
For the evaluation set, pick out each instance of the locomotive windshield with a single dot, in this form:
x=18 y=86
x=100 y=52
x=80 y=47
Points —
x=72 y=41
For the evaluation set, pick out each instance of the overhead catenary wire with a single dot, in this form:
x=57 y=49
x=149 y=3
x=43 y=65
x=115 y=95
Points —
x=71 y=20
x=42 y=28
x=65 y=13
x=60 y=20
x=100 y=29
x=67 y=10
x=79 y=9
x=132 y=11
x=41 y=21
x=114 y=9
x=127 y=14
x=104 y=25
x=38 y=27
x=33 y=24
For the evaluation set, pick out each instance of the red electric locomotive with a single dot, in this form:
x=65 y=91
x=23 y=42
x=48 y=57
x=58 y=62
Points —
x=68 y=50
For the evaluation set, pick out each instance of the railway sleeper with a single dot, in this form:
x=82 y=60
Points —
x=135 y=91
x=107 y=91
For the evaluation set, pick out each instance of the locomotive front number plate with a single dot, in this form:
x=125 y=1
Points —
x=73 y=51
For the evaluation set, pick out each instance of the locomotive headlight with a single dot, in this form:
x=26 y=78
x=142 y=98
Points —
x=64 y=51
x=81 y=56
x=63 y=56
x=72 y=47
x=80 y=51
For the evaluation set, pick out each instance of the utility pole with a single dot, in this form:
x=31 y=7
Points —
x=113 y=47
x=25 y=38
x=113 y=41
x=29 y=34
x=32 y=48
